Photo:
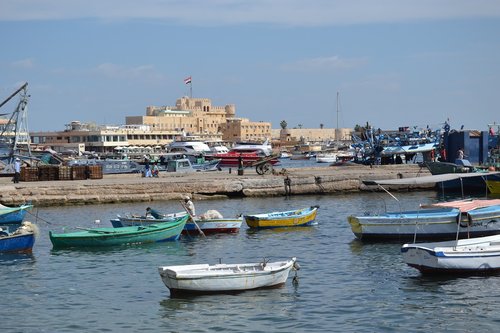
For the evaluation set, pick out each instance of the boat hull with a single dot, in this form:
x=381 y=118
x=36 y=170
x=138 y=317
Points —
x=17 y=243
x=120 y=236
x=297 y=218
x=223 y=278
x=232 y=159
x=467 y=256
x=429 y=224
x=213 y=226
x=13 y=215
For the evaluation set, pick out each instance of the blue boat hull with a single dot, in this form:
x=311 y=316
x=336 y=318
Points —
x=13 y=218
x=17 y=243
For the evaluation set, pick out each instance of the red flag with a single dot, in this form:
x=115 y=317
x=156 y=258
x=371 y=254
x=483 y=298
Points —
x=187 y=80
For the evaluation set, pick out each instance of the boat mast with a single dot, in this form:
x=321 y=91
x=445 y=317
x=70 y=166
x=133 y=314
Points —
x=337 y=134
x=337 y=110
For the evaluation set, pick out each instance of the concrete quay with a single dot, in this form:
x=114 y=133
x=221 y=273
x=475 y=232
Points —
x=202 y=185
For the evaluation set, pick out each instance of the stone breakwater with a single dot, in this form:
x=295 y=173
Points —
x=201 y=185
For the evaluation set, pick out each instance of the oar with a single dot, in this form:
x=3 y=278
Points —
x=192 y=219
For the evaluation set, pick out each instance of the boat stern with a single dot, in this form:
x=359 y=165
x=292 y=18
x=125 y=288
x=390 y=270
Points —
x=356 y=227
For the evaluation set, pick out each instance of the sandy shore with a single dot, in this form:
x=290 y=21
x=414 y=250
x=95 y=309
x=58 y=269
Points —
x=201 y=185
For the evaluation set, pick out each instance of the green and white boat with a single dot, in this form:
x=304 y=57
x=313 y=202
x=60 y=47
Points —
x=96 y=237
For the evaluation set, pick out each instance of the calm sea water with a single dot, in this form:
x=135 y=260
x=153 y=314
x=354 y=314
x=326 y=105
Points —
x=344 y=285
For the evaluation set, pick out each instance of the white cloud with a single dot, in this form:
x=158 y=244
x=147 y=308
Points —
x=23 y=63
x=113 y=71
x=332 y=63
x=223 y=12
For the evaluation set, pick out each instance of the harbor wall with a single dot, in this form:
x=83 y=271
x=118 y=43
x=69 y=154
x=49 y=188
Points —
x=206 y=185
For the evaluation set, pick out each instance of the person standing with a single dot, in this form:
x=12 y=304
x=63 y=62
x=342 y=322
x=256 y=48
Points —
x=17 y=170
x=460 y=154
x=147 y=169
x=189 y=205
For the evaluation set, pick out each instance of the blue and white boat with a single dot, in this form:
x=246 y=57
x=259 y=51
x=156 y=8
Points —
x=13 y=215
x=435 y=221
x=208 y=224
x=479 y=255
x=21 y=240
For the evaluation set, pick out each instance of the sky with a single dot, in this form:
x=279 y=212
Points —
x=393 y=63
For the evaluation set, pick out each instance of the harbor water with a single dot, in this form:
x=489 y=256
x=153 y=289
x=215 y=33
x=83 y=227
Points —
x=344 y=285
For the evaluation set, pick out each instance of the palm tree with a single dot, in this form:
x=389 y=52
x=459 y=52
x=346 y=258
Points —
x=283 y=124
x=321 y=126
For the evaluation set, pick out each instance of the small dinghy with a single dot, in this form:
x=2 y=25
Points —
x=291 y=218
x=223 y=278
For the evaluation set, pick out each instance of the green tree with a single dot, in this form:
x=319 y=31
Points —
x=283 y=124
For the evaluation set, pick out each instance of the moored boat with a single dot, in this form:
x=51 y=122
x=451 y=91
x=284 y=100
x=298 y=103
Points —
x=232 y=158
x=326 y=157
x=168 y=231
x=292 y=218
x=474 y=182
x=479 y=255
x=13 y=215
x=207 y=224
x=478 y=218
x=21 y=240
x=220 y=278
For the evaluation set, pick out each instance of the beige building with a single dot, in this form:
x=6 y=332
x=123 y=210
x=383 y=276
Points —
x=242 y=129
x=197 y=116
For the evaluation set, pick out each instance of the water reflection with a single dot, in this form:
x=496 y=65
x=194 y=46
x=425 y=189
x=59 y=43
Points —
x=16 y=258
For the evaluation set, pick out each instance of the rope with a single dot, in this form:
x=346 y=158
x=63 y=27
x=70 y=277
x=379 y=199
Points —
x=43 y=220
x=37 y=217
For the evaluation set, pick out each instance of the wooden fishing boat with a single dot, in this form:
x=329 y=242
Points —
x=21 y=240
x=222 y=278
x=13 y=215
x=152 y=217
x=291 y=218
x=168 y=231
x=438 y=221
x=207 y=224
x=464 y=256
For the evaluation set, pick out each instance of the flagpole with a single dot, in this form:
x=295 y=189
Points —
x=191 y=89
